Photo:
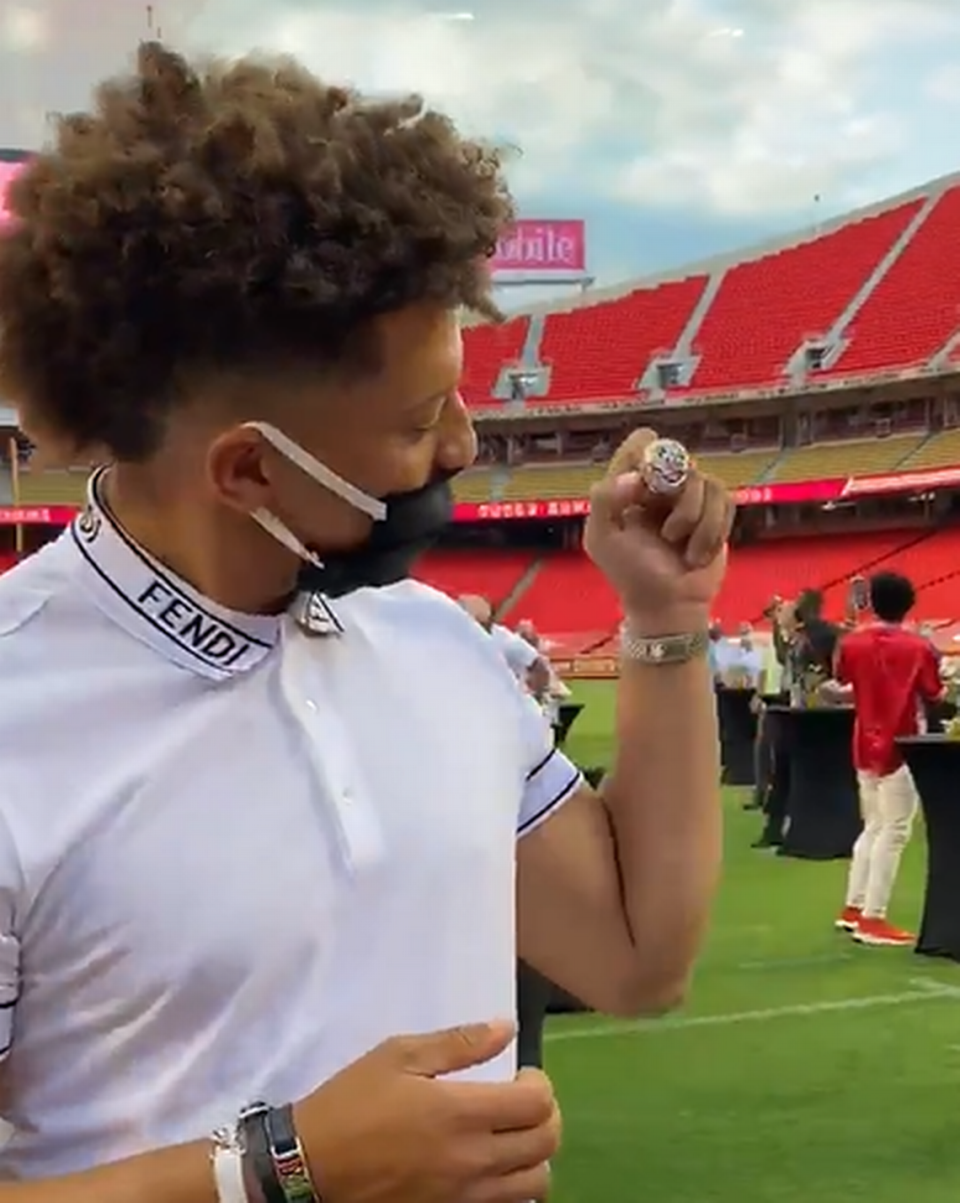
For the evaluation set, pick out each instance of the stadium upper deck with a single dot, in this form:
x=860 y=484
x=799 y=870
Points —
x=875 y=291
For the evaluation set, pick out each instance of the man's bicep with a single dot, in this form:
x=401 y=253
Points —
x=569 y=910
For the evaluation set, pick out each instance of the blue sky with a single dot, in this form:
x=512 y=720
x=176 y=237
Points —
x=676 y=128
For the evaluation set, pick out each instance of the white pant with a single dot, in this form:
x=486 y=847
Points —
x=887 y=806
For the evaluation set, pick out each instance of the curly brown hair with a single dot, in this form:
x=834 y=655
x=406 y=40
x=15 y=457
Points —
x=232 y=215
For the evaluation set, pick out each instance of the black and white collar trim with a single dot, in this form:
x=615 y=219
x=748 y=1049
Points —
x=159 y=608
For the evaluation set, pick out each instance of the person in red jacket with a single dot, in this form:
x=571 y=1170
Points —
x=890 y=672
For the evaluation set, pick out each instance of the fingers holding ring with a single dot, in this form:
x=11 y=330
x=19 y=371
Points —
x=712 y=530
x=665 y=467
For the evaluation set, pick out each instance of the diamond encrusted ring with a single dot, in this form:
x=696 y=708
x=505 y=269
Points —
x=665 y=467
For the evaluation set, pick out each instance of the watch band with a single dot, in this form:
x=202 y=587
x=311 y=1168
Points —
x=657 y=650
x=257 y=1150
x=289 y=1159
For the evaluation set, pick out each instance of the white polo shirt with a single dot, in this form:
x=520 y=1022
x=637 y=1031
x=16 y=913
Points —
x=234 y=857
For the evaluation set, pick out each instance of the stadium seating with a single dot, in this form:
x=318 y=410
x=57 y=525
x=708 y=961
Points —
x=473 y=486
x=487 y=349
x=602 y=350
x=567 y=593
x=861 y=457
x=916 y=307
x=52 y=488
x=828 y=562
x=764 y=310
x=493 y=574
x=546 y=483
x=738 y=468
x=567 y=598
x=939 y=451
x=767 y=307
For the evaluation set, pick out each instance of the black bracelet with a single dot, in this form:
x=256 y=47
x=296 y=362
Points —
x=256 y=1142
x=289 y=1160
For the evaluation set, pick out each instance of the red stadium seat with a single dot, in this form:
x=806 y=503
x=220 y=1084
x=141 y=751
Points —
x=568 y=594
x=602 y=350
x=916 y=307
x=492 y=574
x=766 y=308
x=487 y=349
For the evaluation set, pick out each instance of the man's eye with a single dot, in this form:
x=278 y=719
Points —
x=421 y=432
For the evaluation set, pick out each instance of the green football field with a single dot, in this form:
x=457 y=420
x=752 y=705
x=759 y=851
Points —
x=802 y=1067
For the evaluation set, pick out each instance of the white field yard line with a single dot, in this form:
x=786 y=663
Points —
x=921 y=990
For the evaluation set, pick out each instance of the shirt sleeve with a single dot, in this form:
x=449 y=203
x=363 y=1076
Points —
x=929 y=682
x=550 y=778
x=11 y=882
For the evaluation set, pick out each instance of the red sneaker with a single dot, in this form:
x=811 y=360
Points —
x=879 y=933
x=848 y=919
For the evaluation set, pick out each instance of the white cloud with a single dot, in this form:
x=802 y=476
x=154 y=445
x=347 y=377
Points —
x=743 y=107
x=729 y=108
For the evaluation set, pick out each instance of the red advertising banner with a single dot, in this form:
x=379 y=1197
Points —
x=8 y=171
x=542 y=248
x=818 y=492
x=903 y=482
x=794 y=493
x=498 y=511
x=37 y=515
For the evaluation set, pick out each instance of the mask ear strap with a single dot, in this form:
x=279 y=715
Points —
x=273 y=526
x=371 y=506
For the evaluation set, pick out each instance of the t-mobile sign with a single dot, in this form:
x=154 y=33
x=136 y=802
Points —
x=542 y=248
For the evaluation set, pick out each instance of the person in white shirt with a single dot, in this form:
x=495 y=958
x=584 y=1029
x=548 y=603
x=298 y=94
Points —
x=263 y=866
x=719 y=653
x=555 y=690
x=521 y=657
x=743 y=662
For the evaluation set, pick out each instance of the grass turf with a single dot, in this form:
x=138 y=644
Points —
x=822 y=1071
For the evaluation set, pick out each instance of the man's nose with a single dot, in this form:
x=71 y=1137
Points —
x=457 y=448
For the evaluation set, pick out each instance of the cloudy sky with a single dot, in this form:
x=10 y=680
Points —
x=676 y=128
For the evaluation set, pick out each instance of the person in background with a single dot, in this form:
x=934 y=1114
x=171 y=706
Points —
x=890 y=673
x=816 y=639
x=806 y=641
x=744 y=668
x=784 y=632
x=556 y=691
x=523 y=659
x=719 y=652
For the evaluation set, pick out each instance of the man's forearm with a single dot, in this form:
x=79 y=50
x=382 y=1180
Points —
x=176 y=1175
x=663 y=796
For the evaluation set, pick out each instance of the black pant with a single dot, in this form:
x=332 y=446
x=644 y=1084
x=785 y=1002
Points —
x=533 y=997
x=763 y=762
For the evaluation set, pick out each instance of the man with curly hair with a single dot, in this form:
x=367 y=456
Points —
x=261 y=898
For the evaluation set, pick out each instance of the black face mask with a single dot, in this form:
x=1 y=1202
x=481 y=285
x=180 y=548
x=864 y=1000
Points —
x=413 y=522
